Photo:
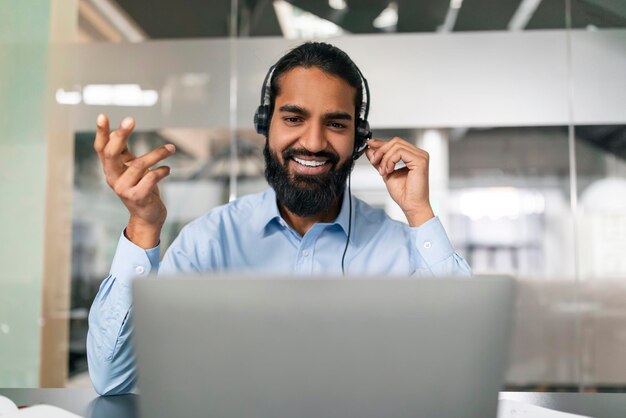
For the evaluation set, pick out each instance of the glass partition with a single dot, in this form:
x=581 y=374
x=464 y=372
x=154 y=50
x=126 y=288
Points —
x=519 y=103
x=601 y=241
x=597 y=138
x=490 y=103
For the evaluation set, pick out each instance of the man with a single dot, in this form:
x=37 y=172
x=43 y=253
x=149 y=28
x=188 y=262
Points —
x=305 y=224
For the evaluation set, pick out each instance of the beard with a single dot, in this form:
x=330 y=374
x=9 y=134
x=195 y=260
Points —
x=306 y=195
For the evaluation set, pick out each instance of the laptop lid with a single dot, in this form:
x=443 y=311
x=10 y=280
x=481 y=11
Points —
x=237 y=347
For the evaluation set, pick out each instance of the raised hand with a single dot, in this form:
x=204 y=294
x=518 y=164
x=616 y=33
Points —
x=408 y=186
x=133 y=181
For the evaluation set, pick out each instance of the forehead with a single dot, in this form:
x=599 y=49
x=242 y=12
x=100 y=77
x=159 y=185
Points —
x=313 y=87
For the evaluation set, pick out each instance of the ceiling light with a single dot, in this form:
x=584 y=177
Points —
x=337 y=4
x=107 y=95
x=523 y=14
x=456 y=4
x=120 y=19
x=388 y=18
x=296 y=23
x=68 y=97
x=451 y=16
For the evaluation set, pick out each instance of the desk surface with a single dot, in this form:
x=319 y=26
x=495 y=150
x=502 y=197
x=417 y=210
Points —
x=86 y=403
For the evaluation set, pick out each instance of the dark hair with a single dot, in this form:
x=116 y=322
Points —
x=327 y=58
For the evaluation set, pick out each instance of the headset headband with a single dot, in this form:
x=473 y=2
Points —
x=265 y=90
x=365 y=100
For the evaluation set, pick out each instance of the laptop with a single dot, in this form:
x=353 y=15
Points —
x=237 y=347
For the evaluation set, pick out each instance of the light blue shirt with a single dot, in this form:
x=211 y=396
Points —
x=249 y=235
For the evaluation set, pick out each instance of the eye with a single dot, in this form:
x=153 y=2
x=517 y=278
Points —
x=292 y=120
x=337 y=125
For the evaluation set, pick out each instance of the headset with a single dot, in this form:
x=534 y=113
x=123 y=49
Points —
x=362 y=133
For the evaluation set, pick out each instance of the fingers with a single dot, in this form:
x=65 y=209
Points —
x=384 y=155
x=397 y=154
x=379 y=148
x=142 y=192
x=102 y=133
x=138 y=167
x=112 y=147
x=118 y=139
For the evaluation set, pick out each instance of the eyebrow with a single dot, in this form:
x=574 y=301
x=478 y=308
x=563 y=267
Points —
x=289 y=108
x=294 y=109
x=338 y=115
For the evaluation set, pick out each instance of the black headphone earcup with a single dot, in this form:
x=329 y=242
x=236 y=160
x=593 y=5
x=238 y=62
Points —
x=363 y=133
x=261 y=120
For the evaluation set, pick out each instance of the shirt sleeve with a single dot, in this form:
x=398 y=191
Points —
x=110 y=352
x=434 y=253
x=109 y=347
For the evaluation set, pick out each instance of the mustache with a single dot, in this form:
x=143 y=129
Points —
x=296 y=152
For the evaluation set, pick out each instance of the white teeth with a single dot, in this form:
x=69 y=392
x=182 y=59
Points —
x=309 y=163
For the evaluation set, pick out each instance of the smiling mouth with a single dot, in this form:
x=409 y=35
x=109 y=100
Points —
x=309 y=163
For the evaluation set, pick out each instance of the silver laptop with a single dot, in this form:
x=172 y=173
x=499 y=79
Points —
x=236 y=347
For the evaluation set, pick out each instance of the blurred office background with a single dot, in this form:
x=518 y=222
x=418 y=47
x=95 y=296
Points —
x=520 y=104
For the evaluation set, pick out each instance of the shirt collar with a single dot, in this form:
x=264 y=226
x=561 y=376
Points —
x=268 y=213
x=267 y=210
x=343 y=219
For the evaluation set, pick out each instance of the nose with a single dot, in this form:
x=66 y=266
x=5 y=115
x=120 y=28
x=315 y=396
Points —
x=314 y=138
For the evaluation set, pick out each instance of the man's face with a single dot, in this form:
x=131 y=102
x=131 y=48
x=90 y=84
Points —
x=311 y=140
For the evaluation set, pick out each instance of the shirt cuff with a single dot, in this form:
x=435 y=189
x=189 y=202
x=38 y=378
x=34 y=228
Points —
x=432 y=242
x=131 y=261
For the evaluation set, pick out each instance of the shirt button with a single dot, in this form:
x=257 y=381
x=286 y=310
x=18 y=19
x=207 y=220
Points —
x=139 y=270
x=427 y=245
x=305 y=253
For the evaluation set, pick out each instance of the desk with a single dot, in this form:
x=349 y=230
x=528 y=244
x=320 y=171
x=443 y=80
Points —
x=86 y=403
